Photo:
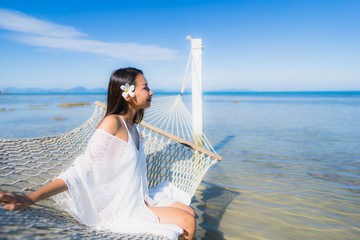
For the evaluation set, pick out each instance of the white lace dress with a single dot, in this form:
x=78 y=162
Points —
x=108 y=189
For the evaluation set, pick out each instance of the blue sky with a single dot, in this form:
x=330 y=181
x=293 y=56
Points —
x=274 y=45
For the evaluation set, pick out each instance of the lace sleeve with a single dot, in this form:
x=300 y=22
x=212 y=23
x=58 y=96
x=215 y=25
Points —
x=91 y=178
x=105 y=153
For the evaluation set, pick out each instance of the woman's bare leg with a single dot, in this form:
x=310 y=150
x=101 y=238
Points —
x=183 y=207
x=177 y=216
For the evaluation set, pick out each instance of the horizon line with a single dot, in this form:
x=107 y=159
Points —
x=100 y=90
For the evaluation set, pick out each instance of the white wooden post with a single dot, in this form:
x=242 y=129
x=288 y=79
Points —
x=197 y=89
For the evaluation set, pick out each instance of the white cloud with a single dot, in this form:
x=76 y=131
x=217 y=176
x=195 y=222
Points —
x=19 y=22
x=35 y=32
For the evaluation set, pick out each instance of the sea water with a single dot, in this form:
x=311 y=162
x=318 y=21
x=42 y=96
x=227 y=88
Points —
x=290 y=168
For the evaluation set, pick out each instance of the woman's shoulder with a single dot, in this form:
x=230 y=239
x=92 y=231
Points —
x=111 y=124
x=115 y=126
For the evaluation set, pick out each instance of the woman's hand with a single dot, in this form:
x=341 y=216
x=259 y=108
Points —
x=15 y=201
x=20 y=202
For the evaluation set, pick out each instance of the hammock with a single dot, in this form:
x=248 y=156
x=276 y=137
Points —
x=28 y=164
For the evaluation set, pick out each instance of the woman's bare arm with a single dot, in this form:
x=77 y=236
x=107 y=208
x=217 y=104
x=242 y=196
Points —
x=19 y=202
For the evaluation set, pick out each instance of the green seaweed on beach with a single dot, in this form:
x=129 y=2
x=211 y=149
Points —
x=58 y=118
x=69 y=105
x=38 y=106
x=6 y=110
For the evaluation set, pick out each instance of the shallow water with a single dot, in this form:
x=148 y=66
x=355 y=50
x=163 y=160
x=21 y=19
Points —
x=291 y=161
x=294 y=161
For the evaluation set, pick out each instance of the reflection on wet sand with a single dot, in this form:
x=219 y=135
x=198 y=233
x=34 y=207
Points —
x=223 y=143
x=210 y=204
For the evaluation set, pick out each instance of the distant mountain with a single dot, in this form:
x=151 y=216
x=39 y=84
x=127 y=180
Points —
x=230 y=90
x=99 y=90
x=80 y=89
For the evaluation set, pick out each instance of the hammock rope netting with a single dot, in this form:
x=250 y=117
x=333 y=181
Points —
x=28 y=164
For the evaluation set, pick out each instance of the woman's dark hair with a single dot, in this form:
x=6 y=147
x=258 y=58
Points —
x=116 y=104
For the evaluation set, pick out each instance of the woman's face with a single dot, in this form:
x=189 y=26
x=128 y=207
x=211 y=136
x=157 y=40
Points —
x=142 y=92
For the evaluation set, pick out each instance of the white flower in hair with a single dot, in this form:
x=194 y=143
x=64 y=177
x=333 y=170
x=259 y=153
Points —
x=128 y=90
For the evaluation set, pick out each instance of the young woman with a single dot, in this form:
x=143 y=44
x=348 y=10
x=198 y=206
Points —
x=106 y=188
